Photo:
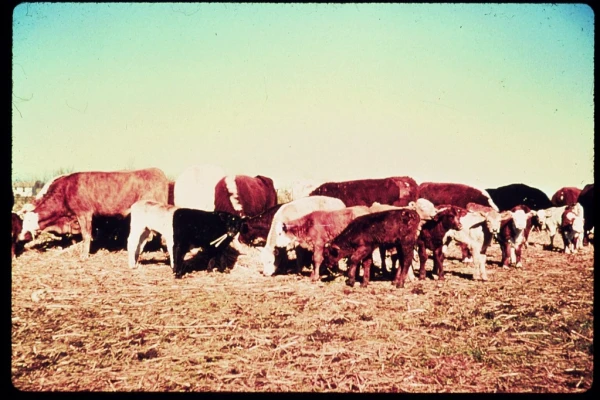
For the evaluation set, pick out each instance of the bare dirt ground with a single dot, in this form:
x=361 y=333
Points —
x=96 y=325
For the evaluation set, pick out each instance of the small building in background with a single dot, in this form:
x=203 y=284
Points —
x=27 y=189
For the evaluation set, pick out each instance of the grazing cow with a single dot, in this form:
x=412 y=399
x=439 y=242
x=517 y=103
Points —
x=313 y=230
x=572 y=227
x=565 y=196
x=195 y=187
x=432 y=235
x=586 y=199
x=257 y=227
x=16 y=245
x=82 y=195
x=147 y=219
x=396 y=191
x=550 y=219
x=513 y=234
x=245 y=196
x=212 y=231
x=455 y=194
x=394 y=228
x=509 y=196
x=274 y=252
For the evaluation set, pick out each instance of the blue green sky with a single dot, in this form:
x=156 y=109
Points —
x=485 y=95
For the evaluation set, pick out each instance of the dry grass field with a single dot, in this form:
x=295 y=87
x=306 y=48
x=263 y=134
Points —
x=97 y=325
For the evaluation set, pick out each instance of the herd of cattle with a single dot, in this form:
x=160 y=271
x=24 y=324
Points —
x=205 y=208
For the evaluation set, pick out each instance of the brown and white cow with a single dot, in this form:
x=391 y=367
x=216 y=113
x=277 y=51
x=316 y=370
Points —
x=432 y=237
x=313 y=230
x=195 y=187
x=82 y=195
x=572 y=228
x=275 y=251
x=245 y=196
x=455 y=194
x=513 y=234
x=257 y=228
x=16 y=244
x=394 y=228
x=396 y=191
x=565 y=196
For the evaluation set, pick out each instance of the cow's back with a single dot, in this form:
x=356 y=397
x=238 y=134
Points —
x=245 y=196
x=455 y=194
x=113 y=193
x=565 y=196
x=397 y=191
x=195 y=187
x=380 y=227
x=586 y=199
x=508 y=196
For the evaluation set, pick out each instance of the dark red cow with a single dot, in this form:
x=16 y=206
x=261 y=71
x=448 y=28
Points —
x=396 y=191
x=393 y=229
x=513 y=234
x=455 y=194
x=565 y=196
x=312 y=231
x=432 y=237
x=257 y=227
x=81 y=195
x=245 y=196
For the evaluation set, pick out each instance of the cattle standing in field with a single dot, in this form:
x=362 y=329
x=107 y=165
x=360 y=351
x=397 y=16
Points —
x=396 y=191
x=212 y=231
x=572 y=227
x=147 y=219
x=313 y=230
x=274 y=253
x=586 y=199
x=513 y=234
x=565 y=196
x=257 y=227
x=82 y=195
x=432 y=237
x=509 y=196
x=479 y=226
x=550 y=220
x=394 y=228
x=195 y=187
x=455 y=194
x=245 y=196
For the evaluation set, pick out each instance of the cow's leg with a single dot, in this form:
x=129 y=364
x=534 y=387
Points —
x=505 y=254
x=85 y=222
x=179 y=251
x=351 y=273
x=405 y=259
x=354 y=261
x=169 y=241
x=422 y=250
x=438 y=262
x=135 y=245
x=367 y=262
x=466 y=254
x=317 y=262
x=518 y=249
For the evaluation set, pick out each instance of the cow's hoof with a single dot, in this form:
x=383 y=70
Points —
x=467 y=260
x=350 y=282
x=363 y=284
x=505 y=267
x=399 y=285
x=519 y=265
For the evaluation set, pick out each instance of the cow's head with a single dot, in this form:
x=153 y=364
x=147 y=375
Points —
x=493 y=221
x=425 y=209
x=331 y=253
x=233 y=223
x=450 y=218
x=520 y=218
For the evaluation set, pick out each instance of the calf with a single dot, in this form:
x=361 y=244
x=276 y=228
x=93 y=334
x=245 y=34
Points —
x=16 y=244
x=394 y=228
x=147 y=219
x=513 y=234
x=550 y=220
x=432 y=236
x=572 y=228
x=312 y=231
x=212 y=231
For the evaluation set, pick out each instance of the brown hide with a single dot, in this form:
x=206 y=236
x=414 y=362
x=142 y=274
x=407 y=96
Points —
x=254 y=195
x=396 y=191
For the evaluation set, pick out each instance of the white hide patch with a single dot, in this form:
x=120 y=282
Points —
x=30 y=224
x=233 y=193
x=520 y=219
x=490 y=201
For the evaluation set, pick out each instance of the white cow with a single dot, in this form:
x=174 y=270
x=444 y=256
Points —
x=148 y=218
x=572 y=228
x=195 y=187
x=288 y=212
x=550 y=220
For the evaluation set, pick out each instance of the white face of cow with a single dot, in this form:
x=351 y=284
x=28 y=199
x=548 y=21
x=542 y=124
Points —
x=30 y=224
x=520 y=219
x=425 y=208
